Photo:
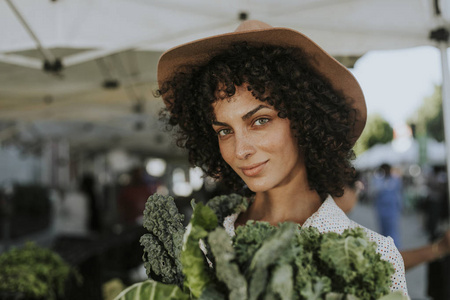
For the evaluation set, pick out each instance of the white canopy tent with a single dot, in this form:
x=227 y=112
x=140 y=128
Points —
x=90 y=64
x=405 y=154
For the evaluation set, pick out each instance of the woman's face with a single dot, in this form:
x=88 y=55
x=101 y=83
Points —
x=255 y=142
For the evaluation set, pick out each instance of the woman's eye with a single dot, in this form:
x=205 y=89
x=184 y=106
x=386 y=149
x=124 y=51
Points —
x=261 y=121
x=223 y=132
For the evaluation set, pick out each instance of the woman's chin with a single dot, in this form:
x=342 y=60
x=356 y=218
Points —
x=258 y=187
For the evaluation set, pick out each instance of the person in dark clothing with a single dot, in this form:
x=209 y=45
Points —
x=87 y=187
x=133 y=196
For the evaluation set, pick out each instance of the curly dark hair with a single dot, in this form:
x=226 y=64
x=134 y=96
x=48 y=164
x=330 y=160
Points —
x=320 y=117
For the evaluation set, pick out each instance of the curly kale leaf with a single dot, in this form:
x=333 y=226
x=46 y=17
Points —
x=226 y=205
x=197 y=277
x=270 y=252
x=310 y=239
x=162 y=245
x=358 y=269
x=338 y=296
x=317 y=265
x=394 y=296
x=309 y=281
x=212 y=293
x=281 y=284
x=203 y=217
x=227 y=271
x=346 y=255
x=273 y=248
x=249 y=238
x=157 y=262
x=150 y=289
x=261 y=261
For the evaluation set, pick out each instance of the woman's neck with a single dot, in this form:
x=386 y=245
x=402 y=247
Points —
x=291 y=200
x=281 y=205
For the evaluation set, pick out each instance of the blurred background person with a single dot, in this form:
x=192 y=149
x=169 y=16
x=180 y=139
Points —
x=436 y=222
x=386 y=191
x=88 y=188
x=133 y=196
x=435 y=205
x=72 y=212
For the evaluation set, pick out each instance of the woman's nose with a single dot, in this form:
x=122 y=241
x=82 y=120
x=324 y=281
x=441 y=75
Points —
x=244 y=147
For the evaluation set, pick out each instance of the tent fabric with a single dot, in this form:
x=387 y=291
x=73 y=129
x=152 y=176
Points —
x=116 y=44
x=341 y=27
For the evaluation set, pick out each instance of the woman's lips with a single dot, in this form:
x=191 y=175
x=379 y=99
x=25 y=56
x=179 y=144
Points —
x=253 y=170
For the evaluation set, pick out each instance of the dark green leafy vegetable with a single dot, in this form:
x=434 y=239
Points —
x=35 y=272
x=267 y=255
x=346 y=264
x=281 y=283
x=355 y=261
x=212 y=293
x=164 y=268
x=203 y=217
x=248 y=240
x=226 y=270
x=346 y=255
x=162 y=245
x=152 y=290
x=194 y=262
x=261 y=261
x=226 y=205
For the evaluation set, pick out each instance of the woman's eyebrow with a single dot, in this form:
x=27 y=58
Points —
x=217 y=123
x=244 y=117
x=253 y=111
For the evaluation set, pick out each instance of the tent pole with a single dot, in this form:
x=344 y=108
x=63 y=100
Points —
x=443 y=45
x=45 y=52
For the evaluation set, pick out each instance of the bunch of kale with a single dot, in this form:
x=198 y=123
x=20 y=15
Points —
x=260 y=262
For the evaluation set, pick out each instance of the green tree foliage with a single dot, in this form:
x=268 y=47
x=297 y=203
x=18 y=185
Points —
x=377 y=131
x=430 y=116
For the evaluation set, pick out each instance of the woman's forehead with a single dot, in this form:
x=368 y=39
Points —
x=240 y=104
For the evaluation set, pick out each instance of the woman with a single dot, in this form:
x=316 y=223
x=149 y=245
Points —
x=267 y=111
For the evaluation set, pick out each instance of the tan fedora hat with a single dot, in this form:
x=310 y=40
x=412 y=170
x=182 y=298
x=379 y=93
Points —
x=259 y=33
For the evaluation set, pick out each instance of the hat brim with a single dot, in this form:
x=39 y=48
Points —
x=199 y=52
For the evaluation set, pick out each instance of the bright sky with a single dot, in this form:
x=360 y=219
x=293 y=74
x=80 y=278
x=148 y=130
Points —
x=395 y=82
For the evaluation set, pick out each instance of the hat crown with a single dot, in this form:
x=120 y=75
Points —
x=250 y=25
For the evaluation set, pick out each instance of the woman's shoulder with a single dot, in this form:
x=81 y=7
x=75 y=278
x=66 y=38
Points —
x=385 y=244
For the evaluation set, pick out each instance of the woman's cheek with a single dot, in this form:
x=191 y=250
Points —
x=226 y=153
